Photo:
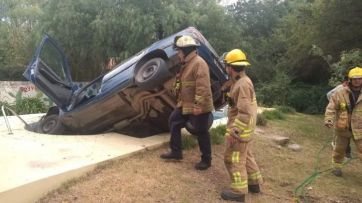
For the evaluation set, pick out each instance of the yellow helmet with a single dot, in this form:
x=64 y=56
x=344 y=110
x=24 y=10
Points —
x=236 y=57
x=355 y=73
x=185 y=41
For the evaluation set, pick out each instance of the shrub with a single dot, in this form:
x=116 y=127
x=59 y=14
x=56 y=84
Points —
x=188 y=142
x=274 y=115
x=217 y=134
x=308 y=98
x=261 y=120
x=286 y=109
x=29 y=105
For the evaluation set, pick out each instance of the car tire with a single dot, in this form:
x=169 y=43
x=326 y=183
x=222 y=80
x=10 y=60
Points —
x=50 y=124
x=192 y=130
x=152 y=74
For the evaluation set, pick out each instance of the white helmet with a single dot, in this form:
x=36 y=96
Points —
x=185 y=41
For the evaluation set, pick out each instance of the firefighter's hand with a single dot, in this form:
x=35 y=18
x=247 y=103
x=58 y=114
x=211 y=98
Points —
x=196 y=110
x=236 y=131
x=328 y=124
x=231 y=140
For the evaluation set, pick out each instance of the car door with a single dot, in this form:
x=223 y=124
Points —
x=49 y=71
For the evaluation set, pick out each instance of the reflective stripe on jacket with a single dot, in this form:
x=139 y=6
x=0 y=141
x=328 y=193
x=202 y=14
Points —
x=195 y=87
x=339 y=113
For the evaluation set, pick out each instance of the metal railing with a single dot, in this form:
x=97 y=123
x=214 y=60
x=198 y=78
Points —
x=3 y=107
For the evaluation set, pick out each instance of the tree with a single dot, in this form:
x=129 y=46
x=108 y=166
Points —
x=18 y=20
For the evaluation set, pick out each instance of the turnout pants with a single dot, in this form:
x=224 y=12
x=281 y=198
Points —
x=342 y=141
x=200 y=123
x=242 y=167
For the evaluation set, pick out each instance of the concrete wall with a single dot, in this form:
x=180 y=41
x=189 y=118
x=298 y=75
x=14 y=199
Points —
x=9 y=90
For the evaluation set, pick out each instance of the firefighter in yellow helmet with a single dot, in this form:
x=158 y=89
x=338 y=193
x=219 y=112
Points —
x=194 y=101
x=344 y=112
x=239 y=161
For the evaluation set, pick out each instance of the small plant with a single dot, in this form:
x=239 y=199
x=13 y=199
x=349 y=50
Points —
x=188 y=141
x=261 y=120
x=274 y=115
x=217 y=134
x=286 y=109
x=29 y=105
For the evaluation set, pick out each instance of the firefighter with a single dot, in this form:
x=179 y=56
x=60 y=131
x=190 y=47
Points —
x=239 y=161
x=329 y=95
x=344 y=112
x=194 y=101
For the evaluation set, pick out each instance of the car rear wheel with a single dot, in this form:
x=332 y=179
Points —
x=152 y=74
x=51 y=124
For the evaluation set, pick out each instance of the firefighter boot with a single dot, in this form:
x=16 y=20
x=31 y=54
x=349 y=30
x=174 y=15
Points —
x=171 y=155
x=254 y=188
x=203 y=164
x=232 y=196
x=337 y=172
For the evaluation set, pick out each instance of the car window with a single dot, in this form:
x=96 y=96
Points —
x=53 y=59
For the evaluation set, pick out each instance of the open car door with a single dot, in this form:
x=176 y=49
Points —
x=49 y=71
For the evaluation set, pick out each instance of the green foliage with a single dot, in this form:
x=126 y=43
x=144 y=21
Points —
x=30 y=105
x=188 y=142
x=338 y=25
x=308 y=98
x=26 y=106
x=275 y=92
x=120 y=29
x=18 y=22
x=217 y=134
x=293 y=45
x=261 y=120
x=286 y=109
x=348 y=60
x=273 y=115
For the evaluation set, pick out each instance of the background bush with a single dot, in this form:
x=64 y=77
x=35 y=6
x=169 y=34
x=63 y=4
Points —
x=25 y=106
x=308 y=98
x=217 y=134
x=286 y=109
x=30 y=105
x=188 y=141
x=273 y=115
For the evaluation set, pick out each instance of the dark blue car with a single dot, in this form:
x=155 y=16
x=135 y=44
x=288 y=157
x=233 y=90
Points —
x=135 y=94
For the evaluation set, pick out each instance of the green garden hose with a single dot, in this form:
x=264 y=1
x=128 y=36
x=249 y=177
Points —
x=300 y=191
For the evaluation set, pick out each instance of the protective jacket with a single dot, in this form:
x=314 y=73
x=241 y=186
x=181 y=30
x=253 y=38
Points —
x=194 y=88
x=342 y=116
x=242 y=110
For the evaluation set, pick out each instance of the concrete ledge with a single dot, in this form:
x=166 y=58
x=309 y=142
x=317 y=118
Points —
x=33 y=164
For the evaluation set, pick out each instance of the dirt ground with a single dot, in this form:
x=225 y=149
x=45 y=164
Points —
x=146 y=178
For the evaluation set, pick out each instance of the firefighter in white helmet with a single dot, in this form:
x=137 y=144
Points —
x=194 y=101
x=239 y=161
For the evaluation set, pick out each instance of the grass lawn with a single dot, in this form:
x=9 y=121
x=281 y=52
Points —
x=146 y=178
